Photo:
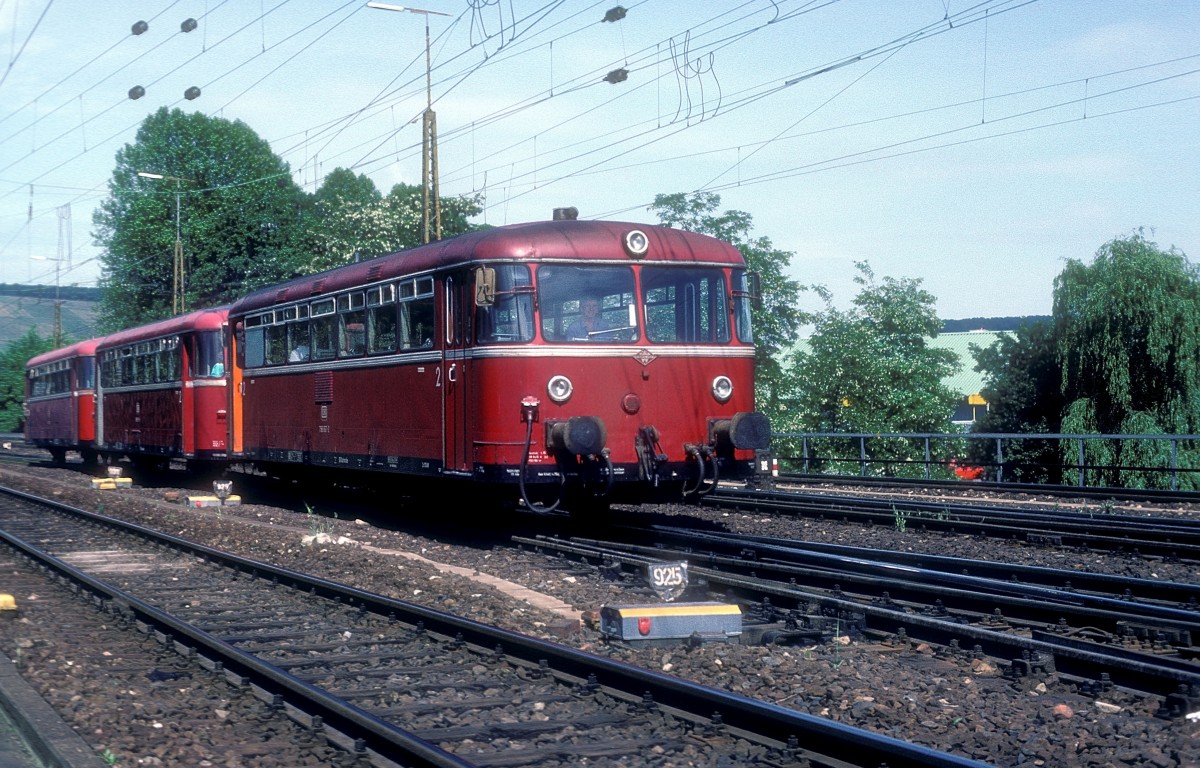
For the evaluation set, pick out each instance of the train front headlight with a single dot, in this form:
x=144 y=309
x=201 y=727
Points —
x=722 y=389
x=560 y=388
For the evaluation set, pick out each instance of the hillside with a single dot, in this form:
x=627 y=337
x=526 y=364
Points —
x=32 y=306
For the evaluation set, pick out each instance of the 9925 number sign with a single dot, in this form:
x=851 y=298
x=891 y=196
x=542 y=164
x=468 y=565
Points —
x=668 y=580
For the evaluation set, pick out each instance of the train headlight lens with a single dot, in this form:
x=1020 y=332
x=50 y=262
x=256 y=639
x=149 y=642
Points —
x=636 y=243
x=722 y=389
x=560 y=389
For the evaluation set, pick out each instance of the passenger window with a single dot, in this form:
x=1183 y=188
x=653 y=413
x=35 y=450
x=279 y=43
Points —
x=324 y=330
x=352 y=337
x=416 y=314
x=381 y=319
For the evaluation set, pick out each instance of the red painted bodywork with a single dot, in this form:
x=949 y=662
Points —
x=182 y=419
x=455 y=409
x=66 y=420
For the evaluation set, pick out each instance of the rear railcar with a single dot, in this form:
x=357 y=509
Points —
x=469 y=361
x=60 y=401
x=162 y=391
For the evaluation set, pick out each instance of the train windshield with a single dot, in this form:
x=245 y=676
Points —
x=85 y=373
x=587 y=304
x=208 y=355
x=685 y=305
x=510 y=317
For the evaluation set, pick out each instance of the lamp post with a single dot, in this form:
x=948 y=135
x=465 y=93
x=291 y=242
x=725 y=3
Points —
x=177 y=290
x=429 y=168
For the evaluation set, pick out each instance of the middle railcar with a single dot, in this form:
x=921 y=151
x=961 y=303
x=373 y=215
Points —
x=603 y=358
x=162 y=391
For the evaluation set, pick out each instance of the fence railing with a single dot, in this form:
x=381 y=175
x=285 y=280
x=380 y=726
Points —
x=1135 y=461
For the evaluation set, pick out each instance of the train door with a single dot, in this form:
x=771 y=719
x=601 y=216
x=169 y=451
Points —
x=455 y=379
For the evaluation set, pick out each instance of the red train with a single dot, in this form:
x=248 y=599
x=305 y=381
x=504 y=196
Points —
x=60 y=401
x=585 y=359
x=163 y=391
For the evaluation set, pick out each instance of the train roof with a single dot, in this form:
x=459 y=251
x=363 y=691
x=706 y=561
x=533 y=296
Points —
x=540 y=240
x=85 y=348
x=199 y=320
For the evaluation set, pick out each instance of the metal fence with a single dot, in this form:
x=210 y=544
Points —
x=1135 y=461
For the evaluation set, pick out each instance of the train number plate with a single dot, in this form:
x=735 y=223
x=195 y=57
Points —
x=668 y=580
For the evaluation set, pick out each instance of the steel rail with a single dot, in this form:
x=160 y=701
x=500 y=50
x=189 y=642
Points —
x=770 y=723
x=1176 y=539
x=1137 y=671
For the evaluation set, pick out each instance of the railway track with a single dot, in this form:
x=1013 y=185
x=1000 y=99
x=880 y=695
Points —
x=1175 y=538
x=396 y=683
x=1107 y=630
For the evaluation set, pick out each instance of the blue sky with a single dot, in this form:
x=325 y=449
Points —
x=975 y=146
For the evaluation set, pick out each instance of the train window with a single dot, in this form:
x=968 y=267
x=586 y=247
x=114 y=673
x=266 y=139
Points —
x=352 y=326
x=510 y=317
x=126 y=364
x=276 y=344
x=252 y=345
x=208 y=355
x=416 y=314
x=381 y=329
x=299 y=344
x=324 y=336
x=85 y=372
x=742 y=300
x=587 y=303
x=686 y=305
x=384 y=294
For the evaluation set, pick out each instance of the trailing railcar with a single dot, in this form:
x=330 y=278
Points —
x=60 y=401
x=162 y=391
x=595 y=359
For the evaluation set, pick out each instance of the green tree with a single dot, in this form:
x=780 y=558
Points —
x=349 y=219
x=778 y=319
x=1022 y=382
x=1128 y=330
x=13 y=357
x=871 y=369
x=236 y=206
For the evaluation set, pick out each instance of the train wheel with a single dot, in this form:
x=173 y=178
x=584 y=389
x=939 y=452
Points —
x=58 y=456
x=89 y=456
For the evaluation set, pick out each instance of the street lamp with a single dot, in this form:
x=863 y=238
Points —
x=177 y=291
x=429 y=169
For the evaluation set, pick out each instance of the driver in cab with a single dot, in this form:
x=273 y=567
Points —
x=589 y=323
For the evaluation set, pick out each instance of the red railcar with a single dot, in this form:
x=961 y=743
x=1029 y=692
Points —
x=60 y=401
x=162 y=390
x=564 y=357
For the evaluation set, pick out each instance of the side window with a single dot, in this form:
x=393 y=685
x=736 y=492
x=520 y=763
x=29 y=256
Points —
x=352 y=336
x=416 y=314
x=253 y=345
x=743 y=299
x=276 y=344
x=299 y=343
x=381 y=319
x=324 y=329
x=510 y=318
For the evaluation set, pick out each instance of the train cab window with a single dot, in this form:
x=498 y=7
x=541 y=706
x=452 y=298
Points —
x=594 y=304
x=381 y=319
x=416 y=313
x=324 y=329
x=685 y=305
x=743 y=298
x=207 y=355
x=510 y=317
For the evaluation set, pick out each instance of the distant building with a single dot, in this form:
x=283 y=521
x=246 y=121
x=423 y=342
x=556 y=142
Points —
x=965 y=381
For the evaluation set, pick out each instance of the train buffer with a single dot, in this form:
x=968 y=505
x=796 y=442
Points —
x=660 y=624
